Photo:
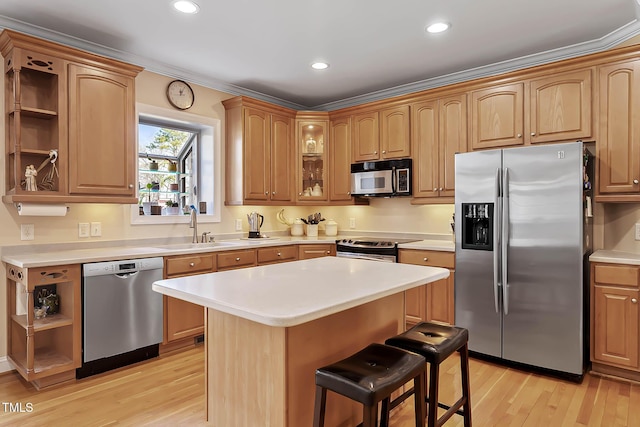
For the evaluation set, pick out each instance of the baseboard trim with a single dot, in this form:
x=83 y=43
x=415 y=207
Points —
x=5 y=366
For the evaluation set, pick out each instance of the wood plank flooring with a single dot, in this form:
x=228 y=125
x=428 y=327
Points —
x=169 y=391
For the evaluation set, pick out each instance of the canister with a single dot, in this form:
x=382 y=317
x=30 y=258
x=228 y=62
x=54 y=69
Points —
x=331 y=228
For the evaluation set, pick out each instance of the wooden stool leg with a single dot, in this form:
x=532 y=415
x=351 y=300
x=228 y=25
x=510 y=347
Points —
x=321 y=402
x=466 y=390
x=370 y=416
x=418 y=394
x=432 y=411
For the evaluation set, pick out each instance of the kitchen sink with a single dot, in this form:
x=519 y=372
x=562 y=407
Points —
x=178 y=246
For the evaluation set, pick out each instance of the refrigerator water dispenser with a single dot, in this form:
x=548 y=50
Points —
x=477 y=226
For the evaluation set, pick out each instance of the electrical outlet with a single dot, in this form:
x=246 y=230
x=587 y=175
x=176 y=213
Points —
x=96 y=229
x=638 y=231
x=27 y=231
x=83 y=229
x=352 y=223
x=238 y=225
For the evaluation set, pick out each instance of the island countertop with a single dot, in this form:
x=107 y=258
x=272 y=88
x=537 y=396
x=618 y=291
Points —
x=293 y=293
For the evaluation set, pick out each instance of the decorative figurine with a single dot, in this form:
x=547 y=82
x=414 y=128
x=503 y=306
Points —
x=30 y=177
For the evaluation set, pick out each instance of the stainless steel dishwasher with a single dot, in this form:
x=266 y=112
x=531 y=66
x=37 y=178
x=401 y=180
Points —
x=122 y=315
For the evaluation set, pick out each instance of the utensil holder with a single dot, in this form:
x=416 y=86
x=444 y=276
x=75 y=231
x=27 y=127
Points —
x=312 y=230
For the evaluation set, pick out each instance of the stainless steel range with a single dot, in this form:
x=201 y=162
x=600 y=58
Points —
x=377 y=249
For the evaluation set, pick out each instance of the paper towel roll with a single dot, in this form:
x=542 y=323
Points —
x=34 y=209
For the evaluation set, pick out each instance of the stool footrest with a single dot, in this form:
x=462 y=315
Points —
x=398 y=400
x=453 y=409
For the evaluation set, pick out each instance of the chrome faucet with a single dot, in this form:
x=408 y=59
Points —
x=203 y=239
x=193 y=223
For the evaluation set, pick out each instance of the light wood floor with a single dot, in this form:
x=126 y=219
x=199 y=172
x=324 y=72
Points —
x=169 y=391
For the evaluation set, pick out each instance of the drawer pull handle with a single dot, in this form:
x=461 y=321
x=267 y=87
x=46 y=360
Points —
x=238 y=259
x=192 y=264
x=425 y=259
x=633 y=300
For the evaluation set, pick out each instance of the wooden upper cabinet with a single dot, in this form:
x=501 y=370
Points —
x=366 y=137
x=395 y=133
x=73 y=104
x=619 y=130
x=340 y=159
x=313 y=146
x=383 y=134
x=259 y=152
x=453 y=139
x=497 y=116
x=282 y=167
x=102 y=132
x=560 y=107
x=257 y=159
x=439 y=131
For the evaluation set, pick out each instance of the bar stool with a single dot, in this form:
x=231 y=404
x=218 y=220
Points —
x=370 y=376
x=436 y=342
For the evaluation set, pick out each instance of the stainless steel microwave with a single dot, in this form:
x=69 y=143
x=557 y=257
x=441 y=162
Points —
x=385 y=178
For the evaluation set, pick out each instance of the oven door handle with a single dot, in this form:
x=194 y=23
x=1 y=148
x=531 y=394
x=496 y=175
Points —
x=361 y=256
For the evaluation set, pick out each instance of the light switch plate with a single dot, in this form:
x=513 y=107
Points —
x=638 y=231
x=96 y=229
x=352 y=223
x=238 y=225
x=27 y=231
x=83 y=229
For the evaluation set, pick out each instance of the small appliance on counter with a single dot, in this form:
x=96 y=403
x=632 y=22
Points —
x=255 y=222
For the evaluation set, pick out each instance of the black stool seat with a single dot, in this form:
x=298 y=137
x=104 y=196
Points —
x=436 y=342
x=433 y=341
x=370 y=376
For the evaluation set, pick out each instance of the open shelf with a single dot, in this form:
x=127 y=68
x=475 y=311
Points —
x=49 y=322
x=46 y=359
x=38 y=113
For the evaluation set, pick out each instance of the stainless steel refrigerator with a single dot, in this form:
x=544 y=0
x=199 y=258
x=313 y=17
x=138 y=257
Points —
x=522 y=235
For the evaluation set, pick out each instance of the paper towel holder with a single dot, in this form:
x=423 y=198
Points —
x=41 y=209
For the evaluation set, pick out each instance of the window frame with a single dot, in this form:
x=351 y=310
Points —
x=209 y=144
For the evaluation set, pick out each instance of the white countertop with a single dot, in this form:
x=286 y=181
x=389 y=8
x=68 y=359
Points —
x=54 y=255
x=433 y=245
x=615 y=257
x=292 y=293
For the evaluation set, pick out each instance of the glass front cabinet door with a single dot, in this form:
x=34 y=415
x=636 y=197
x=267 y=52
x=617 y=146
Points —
x=312 y=160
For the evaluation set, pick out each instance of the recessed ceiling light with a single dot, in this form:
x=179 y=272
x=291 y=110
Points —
x=186 y=6
x=438 y=27
x=319 y=65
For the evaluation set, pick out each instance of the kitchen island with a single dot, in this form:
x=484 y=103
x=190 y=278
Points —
x=268 y=328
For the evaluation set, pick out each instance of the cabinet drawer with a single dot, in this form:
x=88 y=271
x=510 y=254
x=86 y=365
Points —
x=188 y=264
x=429 y=258
x=622 y=275
x=277 y=254
x=316 y=251
x=236 y=259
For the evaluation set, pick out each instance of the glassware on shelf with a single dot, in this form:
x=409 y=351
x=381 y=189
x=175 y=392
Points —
x=311 y=145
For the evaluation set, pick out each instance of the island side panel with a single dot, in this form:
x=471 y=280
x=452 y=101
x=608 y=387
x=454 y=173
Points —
x=245 y=372
x=327 y=340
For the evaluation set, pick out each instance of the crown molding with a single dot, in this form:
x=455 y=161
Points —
x=606 y=42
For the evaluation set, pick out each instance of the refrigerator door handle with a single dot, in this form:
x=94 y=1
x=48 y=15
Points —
x=496 y=242
x=505 y=241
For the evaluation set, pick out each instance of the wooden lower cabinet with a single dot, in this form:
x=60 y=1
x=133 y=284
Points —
x=183 y=320
x=614 y=318
x=237 y=259
x=433 y=302
x=316 y=250
x=276 y=254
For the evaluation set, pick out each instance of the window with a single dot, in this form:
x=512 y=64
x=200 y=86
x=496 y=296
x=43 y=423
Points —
x=178 y=167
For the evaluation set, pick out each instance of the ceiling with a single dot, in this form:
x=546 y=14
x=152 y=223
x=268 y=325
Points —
x=375 y=48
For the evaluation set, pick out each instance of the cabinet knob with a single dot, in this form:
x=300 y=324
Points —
x=519 y=135
x=375 y=152
x=328 y=252
x=348 y=193
x=435 y=189
x=635 y=181
x=384 y=151
x=266 y=193
x=533 y=134
x=192 y=264
x=273 y=193
x=279 y=254
x=633 y=300
x=425 y=259
x=130 y=185
x=299 y=194
x=440 y=189
x=237 y=258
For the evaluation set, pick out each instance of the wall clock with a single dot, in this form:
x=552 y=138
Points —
x=180 y=95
